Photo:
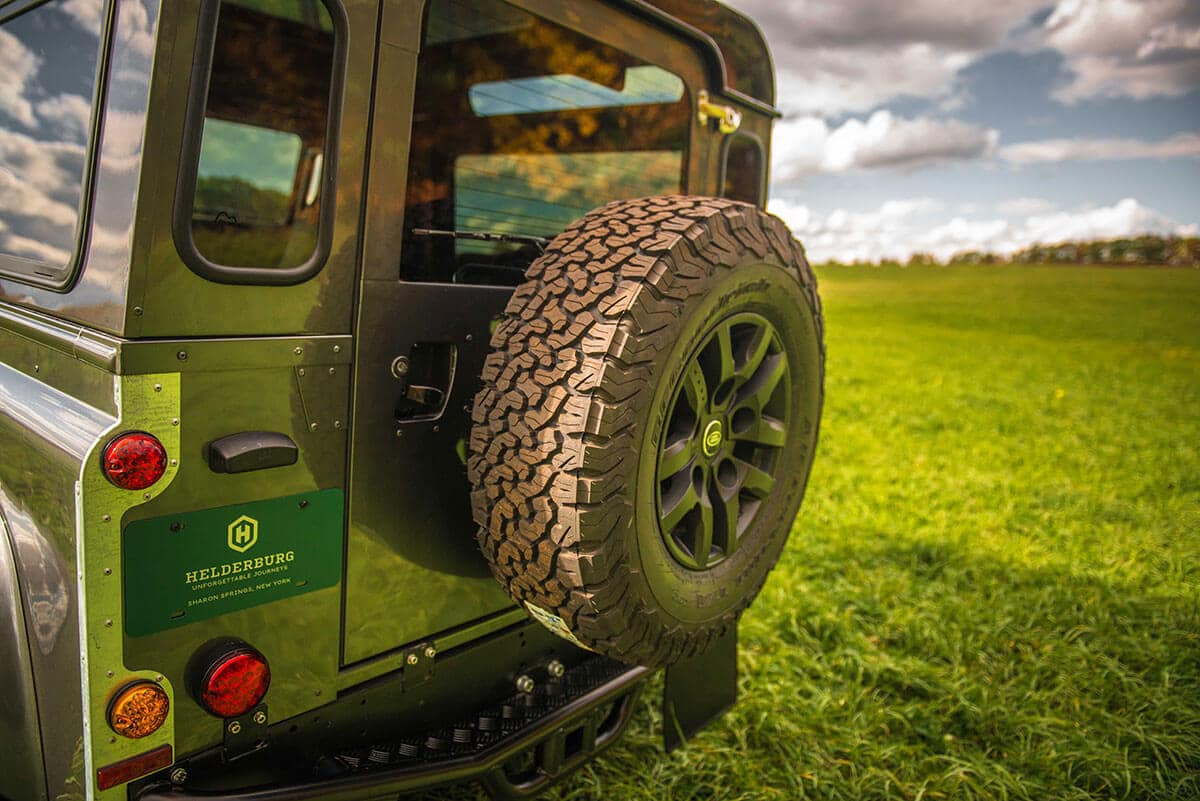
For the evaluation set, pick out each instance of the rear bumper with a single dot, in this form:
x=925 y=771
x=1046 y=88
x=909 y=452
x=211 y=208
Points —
x=516 y=747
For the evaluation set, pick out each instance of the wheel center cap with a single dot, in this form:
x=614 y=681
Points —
x=713 y=437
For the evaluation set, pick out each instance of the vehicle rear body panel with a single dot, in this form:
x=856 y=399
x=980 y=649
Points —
x=259 y=385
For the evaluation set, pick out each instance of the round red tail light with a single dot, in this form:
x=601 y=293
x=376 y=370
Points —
x=228 y=678
x=134 y=461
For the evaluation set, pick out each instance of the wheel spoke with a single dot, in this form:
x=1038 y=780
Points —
x=704 y=533
x=753 y=480
x=677 y=456
x=756 y=351
x=674 y=512
x=764 y=431
x=757 y=392
x=731 y=508
x=726 y=368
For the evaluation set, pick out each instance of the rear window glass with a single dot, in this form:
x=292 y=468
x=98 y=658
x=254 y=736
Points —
x=259 y=179
x=49 y=59
x=743 y=170
x=520 y=127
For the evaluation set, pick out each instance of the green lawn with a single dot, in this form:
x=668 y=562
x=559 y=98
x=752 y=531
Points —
x=993 y=589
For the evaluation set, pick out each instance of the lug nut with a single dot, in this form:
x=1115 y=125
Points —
x=178 y=776
x=524 y=684
x=556 y=669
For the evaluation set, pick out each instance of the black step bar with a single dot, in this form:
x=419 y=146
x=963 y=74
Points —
x=536 y=740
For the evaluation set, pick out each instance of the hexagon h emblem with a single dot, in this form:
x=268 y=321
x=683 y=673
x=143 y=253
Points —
x=243 y=533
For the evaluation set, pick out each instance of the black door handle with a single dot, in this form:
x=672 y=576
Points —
x=251 y=450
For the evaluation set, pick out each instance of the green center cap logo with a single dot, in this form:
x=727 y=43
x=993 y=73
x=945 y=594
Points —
x=712 y=437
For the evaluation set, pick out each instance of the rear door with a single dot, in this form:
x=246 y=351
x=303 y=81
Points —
x=496 y=125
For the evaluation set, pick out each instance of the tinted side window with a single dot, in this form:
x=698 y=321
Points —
x=49 y=58
x=520 y=127
x=743 y=170
x=260 y=180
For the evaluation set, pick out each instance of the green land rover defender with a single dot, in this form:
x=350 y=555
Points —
x=387 y=388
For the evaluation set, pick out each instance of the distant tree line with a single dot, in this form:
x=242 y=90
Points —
x=1147 y=250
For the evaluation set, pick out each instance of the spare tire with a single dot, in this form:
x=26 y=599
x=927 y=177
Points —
x=647 y=421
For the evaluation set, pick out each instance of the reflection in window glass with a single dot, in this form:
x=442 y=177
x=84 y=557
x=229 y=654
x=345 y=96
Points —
x=648 y=84
x=540 y=194
x=522 y=126
x=248 y=171
x=258 y=198
x=49 y=58
x=743 y=170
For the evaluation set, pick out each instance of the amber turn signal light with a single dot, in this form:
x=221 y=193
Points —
x=138 y=709
x=134 y=460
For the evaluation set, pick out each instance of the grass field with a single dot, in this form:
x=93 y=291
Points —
x=993 y=590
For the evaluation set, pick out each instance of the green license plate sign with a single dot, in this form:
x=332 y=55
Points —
x=184 y=568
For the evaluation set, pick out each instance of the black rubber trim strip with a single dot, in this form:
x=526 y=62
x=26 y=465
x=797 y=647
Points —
x=409 y=778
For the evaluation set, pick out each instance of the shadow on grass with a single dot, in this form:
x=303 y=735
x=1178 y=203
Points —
x=909 y=669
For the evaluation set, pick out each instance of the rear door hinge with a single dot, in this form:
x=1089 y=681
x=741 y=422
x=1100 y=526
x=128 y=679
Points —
x=728 y=118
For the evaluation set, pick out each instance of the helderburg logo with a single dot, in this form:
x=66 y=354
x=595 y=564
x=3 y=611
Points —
x=243 y=533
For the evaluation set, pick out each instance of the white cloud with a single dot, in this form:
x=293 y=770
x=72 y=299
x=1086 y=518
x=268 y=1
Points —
x=1052 y=150
x=33 y=249
x=853 y=55
x=39 y=194
x=1023 y=206
x=831 y=81
x=1131 y=48
x=1123 y=218
x=881 y=233
x=808 y=145
x=71 y=115
x=133 y=23
x=17 y=64
x=897 y=229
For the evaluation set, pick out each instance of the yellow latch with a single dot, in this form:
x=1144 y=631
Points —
x=728 y=118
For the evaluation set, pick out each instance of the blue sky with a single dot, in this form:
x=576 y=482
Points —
x=929 y=126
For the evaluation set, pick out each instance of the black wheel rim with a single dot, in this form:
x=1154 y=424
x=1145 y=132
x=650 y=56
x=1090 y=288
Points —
x=717 y=457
